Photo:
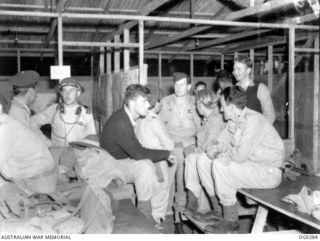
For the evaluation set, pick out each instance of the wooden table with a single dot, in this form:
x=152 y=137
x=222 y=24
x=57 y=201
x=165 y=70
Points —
x=271 y=199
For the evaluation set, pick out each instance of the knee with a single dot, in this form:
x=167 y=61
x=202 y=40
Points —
x=191 y=159
x=145 y=168
x=219 y=168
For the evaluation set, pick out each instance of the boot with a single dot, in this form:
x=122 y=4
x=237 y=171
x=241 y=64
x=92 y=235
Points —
x=214 y=215
x=192 y=204
x=229 y=223
x=178 y=228
x=145 y=208
x=216 y=205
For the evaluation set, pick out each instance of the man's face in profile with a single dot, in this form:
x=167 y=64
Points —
x=141 y=105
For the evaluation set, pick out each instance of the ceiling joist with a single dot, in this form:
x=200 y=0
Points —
x=255 y=10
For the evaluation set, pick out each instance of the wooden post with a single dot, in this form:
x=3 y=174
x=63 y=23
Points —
x=141 y=53
x=315 y=157
x=270 y=69
x=60 y=41
x=116 y=56
x=280 y=63
x=222 y=61
x=191 y=69
x=291 y=83
x=126 y=52
x=102 y=61
x=159 y=70
x=18 y=61
x=251 y=53
x=108 y=60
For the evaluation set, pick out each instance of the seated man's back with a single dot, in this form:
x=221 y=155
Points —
x=24 y=158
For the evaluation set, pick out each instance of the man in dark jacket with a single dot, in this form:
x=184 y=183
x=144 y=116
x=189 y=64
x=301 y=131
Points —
x=119 y=139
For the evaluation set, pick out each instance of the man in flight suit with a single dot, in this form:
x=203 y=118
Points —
x=69 y=119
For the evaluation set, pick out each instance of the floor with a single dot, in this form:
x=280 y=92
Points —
x=189 y=228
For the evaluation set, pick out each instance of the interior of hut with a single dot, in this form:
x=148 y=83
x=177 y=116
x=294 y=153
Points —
x=107 y=45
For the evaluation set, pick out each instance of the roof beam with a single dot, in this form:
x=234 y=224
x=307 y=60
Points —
x=232 y=37
x=246 y=45
x=105 y=11
x=151 y=32
x=294 y=20
x=54 y=23
x=255 y=10
x=148 y=8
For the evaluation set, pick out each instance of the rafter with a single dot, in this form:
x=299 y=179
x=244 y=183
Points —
x=255 y=10
x=246 y=45
x=54 y=23
x=106 y=9
x=232 y=37
x=294 y=20
x=148 y=8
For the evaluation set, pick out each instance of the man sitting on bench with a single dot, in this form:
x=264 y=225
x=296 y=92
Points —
x=248 y=154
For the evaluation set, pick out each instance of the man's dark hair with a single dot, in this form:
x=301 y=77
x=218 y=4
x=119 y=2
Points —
x=135 y=90
x=244 y=60
x=224 y=76
x=235 y=95
x=200 y=83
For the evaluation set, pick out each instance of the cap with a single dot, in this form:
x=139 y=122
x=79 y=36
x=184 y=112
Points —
x=88 y=141
x=156 y=93
x=178 y=76
x=70 y=82
x=25 y=79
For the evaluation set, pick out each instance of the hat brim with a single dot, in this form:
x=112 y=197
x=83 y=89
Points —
x=84 y=144
x=77 y=86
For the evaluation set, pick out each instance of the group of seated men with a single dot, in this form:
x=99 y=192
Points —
x=170 y=148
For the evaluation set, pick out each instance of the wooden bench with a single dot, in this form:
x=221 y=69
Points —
x=270 y=199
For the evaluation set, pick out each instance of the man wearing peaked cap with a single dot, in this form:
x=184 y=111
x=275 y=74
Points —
x=25 y=79
x=24 y=91
x=69 y=119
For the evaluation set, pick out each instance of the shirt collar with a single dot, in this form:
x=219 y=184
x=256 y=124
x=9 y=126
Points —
x=21 y=103
x=240 y=124
x=246 y=84
x=133 y=122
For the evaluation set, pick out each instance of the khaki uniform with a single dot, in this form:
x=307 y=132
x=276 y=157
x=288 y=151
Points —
x=197 y=163
x=152 y=134
x=253 y=153
x=21 y=113
x=66 y=127
x=181 y=124
x=24 y=158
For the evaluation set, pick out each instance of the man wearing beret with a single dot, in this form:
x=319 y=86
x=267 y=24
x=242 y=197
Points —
x=25 y=94
x=69 y=119
x=24 y=91
x=179 y=115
